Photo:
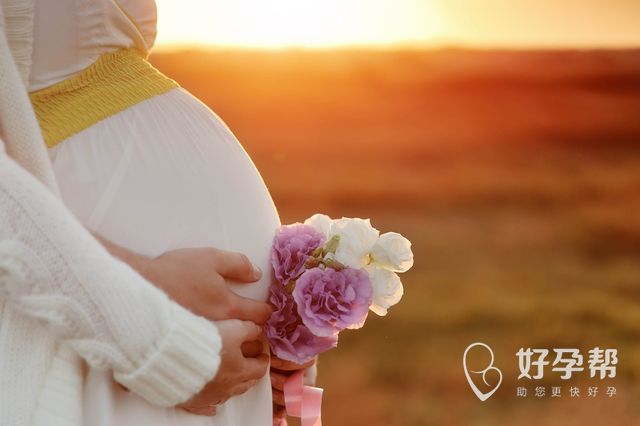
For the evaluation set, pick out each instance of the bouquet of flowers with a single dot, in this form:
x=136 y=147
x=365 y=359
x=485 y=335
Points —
x=329 y=274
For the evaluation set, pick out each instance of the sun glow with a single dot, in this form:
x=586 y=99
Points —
x=336 y=23
x=295 y=23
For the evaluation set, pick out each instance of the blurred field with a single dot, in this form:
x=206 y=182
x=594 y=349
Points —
x=515 y=174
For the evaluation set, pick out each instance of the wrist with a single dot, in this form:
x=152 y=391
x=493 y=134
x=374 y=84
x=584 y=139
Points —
x=143 y=265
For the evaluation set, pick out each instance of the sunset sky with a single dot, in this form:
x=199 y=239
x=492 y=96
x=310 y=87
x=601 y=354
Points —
x=331 y=23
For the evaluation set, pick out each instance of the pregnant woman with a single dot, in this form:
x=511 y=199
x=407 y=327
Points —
x=144 y=164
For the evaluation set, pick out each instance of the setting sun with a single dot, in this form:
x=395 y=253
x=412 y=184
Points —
x=295 y=23
x=385 y=23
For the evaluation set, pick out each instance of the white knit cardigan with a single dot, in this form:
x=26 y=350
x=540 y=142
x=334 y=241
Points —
x=63 y=298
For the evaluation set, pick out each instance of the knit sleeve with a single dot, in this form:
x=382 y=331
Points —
x=52 y=270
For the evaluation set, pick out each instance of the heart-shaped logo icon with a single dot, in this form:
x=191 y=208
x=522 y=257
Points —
x=482 y=396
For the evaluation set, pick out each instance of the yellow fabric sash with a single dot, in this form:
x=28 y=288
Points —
x=112 y=84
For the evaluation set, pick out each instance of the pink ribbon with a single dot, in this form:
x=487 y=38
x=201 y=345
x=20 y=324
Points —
x=303 y=401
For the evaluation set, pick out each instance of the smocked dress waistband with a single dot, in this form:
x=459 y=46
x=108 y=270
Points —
x=112 y=84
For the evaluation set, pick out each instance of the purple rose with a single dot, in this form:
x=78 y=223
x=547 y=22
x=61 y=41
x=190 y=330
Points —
x=292 y=246
x=288 y=337
x=329 y=301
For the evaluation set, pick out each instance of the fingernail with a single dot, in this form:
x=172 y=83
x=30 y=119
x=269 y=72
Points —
x=257 y=272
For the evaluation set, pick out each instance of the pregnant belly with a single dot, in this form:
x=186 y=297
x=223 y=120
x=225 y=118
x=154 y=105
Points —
x=161 y=175
x=166 y=174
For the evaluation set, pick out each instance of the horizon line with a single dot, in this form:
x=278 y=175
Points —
x=399 y=46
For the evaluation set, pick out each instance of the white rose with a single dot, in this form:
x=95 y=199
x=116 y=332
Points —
x=392 y=251
x=321 y=223
x=387 y=289
x=357 y=238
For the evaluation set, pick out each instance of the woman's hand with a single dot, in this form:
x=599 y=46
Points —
x=239 y=369
x=280 y=372
x=196 y=279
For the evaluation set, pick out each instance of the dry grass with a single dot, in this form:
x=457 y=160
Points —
x=515 y=174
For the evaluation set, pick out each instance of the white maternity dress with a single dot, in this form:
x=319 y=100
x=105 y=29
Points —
x=162 y=174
